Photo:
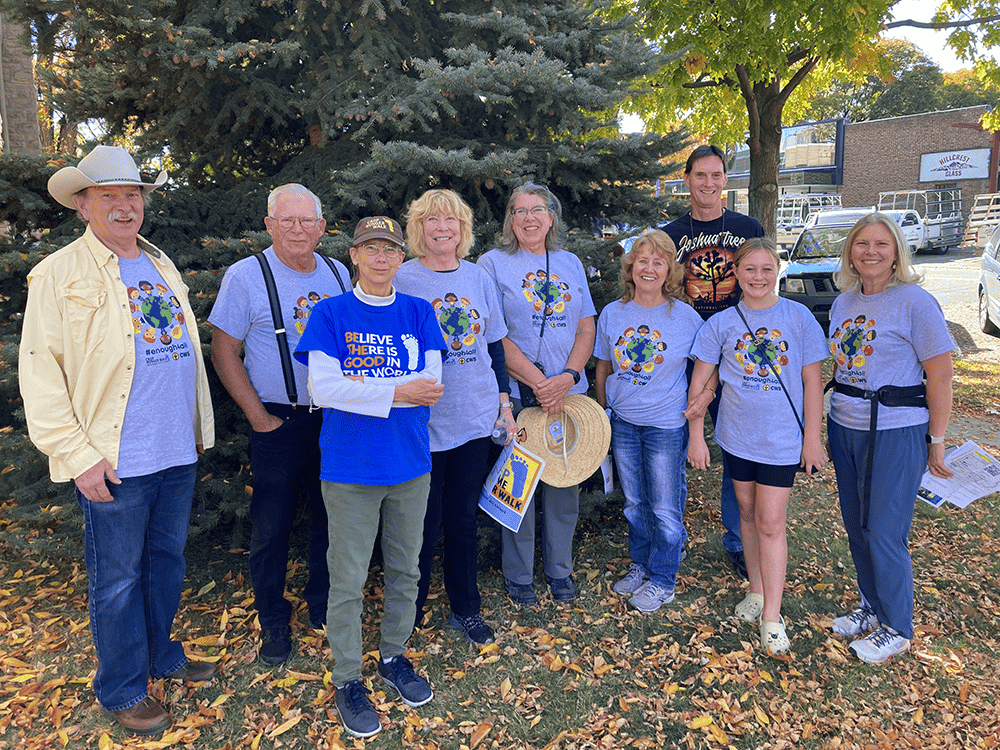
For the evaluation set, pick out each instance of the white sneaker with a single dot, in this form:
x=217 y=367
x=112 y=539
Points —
x=880 y=646
x=632 y=581
x=861 y=620
x=651 y=597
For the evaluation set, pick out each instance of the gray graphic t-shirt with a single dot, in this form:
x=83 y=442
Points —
x=243 y=311
x=158 y=428
x=648 y=348
x=881 y=339
x=467 y=309
x=530 y=296
x=755 y=419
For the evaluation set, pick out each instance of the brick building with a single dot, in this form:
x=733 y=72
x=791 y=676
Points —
x=884 y=155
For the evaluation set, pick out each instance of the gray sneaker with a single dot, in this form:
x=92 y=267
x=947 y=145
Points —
x=356 y=710
x=880 y=646
x=861 y=620
x=398 y=672
x=651 y=597
x=632 y=581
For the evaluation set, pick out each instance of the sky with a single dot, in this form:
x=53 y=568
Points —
x=933 y=42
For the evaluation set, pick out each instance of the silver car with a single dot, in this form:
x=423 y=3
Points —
x=989 y=286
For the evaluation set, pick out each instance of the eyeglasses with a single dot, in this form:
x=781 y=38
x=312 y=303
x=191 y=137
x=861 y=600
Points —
x=536 y=211
x=389 y=251
x=307 y=223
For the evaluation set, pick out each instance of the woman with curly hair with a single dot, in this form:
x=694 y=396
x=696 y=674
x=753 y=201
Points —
x=642 y=347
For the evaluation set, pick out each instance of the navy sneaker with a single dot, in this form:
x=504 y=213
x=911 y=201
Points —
x=563 y=589
x=412 y=688
x=275 y=646
x=356 y=710
x=477 y=631
x=521 y=593
x=739 y=563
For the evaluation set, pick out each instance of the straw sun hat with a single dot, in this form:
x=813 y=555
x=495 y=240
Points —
x=573 y=443
x=105 y=165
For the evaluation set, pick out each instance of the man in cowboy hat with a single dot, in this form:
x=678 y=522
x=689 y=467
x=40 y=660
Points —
x=115 y=394
x=284 y=433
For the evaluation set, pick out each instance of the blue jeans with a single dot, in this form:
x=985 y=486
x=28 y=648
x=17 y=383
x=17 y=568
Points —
x=285 y=464
x=650 y=463
x=134 y=551
x=730 y=507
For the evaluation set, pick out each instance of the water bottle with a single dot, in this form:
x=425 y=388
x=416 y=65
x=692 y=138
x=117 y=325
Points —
x=499 y=434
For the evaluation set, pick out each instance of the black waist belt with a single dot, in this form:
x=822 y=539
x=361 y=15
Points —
x=887 y=395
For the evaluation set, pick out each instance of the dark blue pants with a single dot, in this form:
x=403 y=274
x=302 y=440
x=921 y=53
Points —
x=456 y=478
x=878 y=531
x=285 y=464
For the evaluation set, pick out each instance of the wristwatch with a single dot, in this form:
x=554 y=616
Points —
x=934 y=440
x=574 y=373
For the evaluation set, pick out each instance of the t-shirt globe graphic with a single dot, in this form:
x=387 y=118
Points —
x=762 y=352
x=156 y=312
x=455 y=321
x=639 y=350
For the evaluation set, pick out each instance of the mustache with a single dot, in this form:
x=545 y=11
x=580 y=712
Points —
x=118 y=215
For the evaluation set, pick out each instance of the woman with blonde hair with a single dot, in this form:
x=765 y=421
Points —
x=768 y=352
x=886 y=335
x=476 y=395
x=642 y=347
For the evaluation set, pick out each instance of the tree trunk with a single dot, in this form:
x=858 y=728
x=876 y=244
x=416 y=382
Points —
x=18 y=93
x=765 y=153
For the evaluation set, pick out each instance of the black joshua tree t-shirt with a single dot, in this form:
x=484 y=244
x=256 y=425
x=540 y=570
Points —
x=705 y=249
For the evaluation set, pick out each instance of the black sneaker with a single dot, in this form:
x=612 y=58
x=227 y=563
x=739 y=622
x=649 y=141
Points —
x=562 y=589
x=275 y=646
x=356 y=710
x=412 y=688
x=739 y=563
x=477 y=631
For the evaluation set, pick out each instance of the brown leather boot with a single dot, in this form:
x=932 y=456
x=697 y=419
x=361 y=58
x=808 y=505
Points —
x=194 y=671
x=146 y=717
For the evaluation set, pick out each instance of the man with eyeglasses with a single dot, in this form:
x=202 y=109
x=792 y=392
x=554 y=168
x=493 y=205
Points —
x=284 y=436
x=706 y=239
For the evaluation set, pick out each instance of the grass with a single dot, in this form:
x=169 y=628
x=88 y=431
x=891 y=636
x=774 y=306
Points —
x=593 y=674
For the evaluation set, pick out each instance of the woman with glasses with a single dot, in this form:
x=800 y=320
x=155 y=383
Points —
x=374 y=361
x=476 y=395
x=550 y=336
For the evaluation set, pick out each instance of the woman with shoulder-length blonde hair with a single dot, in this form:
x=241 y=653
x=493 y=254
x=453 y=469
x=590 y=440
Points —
x=767 y=351
x=476 y=395
x=886 y=335
x=642 y=347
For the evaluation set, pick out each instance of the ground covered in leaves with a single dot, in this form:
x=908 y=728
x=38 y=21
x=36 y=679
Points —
x=591 y=674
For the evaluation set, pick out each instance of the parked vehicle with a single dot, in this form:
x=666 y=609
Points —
x=807 y=277
x=989 y=286
x=793 y=210
x=931 y=220
x=983 y=220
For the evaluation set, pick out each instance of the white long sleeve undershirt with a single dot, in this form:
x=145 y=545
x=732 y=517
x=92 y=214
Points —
x=329 y=387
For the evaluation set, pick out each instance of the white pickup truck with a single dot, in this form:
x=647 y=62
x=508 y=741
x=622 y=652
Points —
x=931 y=220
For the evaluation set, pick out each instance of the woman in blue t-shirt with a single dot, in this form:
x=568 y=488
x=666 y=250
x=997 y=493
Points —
x=886 y=332
x=768 y=351
x=642 y=347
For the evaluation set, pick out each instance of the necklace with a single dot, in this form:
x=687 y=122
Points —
x=691 y=225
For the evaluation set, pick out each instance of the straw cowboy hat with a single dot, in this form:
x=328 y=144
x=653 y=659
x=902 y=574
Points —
x=105 y=165
x=573 y=443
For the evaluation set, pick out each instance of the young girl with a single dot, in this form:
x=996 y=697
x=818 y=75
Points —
x=642 y=347
x=768 y=352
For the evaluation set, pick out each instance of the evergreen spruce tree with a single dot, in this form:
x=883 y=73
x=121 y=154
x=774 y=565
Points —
x=367 y=102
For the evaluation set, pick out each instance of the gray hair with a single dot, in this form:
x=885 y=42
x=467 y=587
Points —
x=292 y=187
x=507 y=241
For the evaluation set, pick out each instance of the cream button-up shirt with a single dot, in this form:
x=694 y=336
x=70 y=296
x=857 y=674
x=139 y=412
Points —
x=77 y=355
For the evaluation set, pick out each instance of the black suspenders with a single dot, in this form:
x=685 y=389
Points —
x=279 y=327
